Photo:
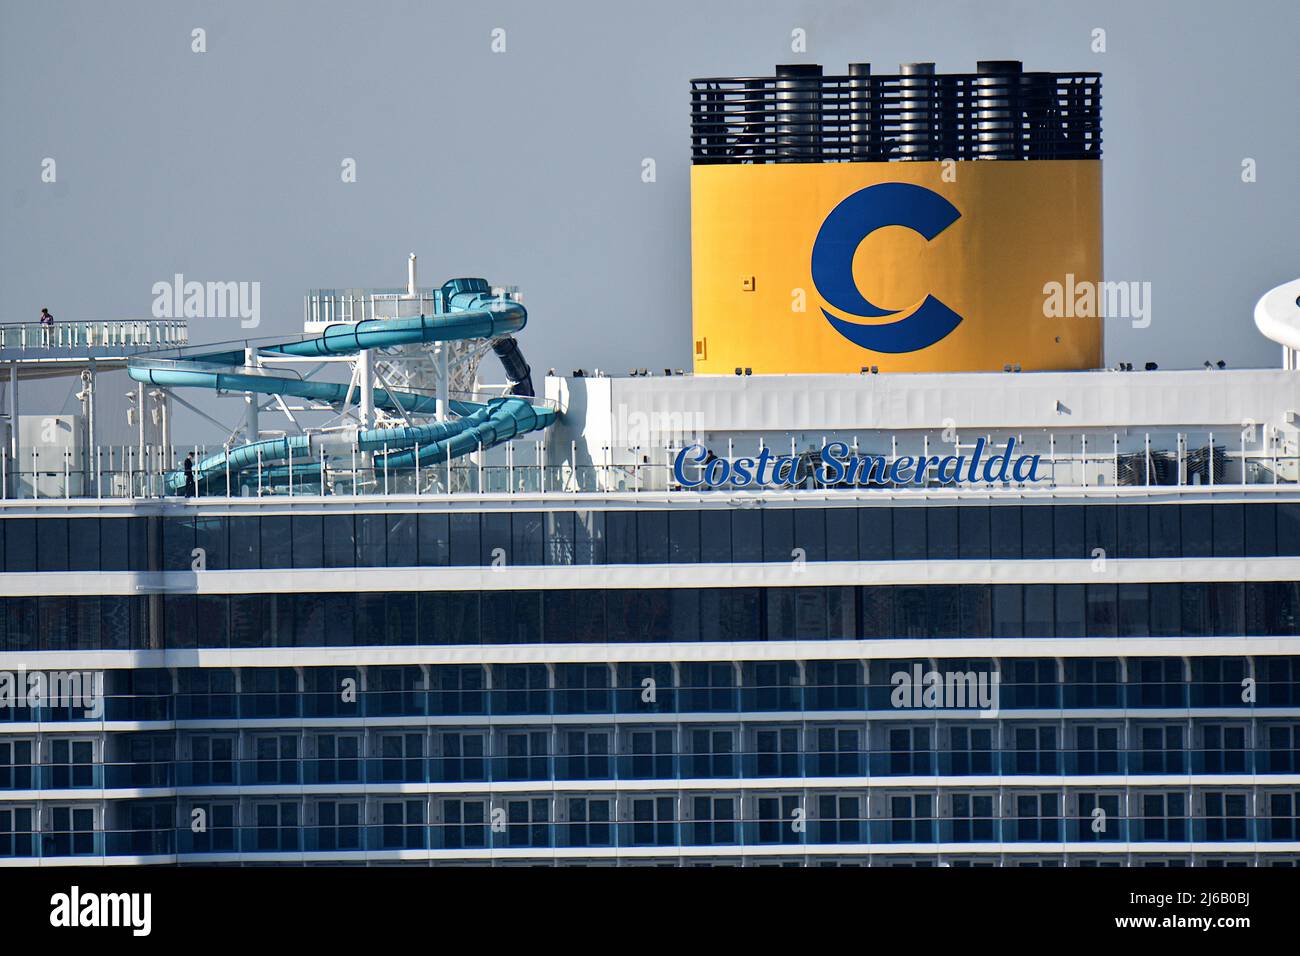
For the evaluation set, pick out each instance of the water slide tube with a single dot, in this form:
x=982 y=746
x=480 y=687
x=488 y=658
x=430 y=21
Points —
x=471 y=312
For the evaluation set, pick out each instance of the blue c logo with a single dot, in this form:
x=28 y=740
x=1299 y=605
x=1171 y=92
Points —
x=858 y=216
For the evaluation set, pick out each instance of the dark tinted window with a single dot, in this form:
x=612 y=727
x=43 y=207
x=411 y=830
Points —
x=1005 y=532
x=973 y=531
x=1260 y=523
x=620 y=537
x=1196 y=529
x=526 y=538
x=83 y=544
x=1036 y=531
x=810 y=532
x=747 y=535
x=308 y=541
x=778 y=534
x=1131 y=534
x=684 y=537
x=277 y=542
x=246 y=544
x=652 y=537
x=1099 y=530
x=402 y=537
x=1071 y=612
x=1068 y=528
x=495 y=546
x=909 y=534
x=464 y=539
x=875 y=534
x=941 y=533
x=715 y=536
x=1166 y=539
x=1229 y=530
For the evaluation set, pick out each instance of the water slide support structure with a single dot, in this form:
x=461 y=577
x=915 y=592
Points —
x=467 y=309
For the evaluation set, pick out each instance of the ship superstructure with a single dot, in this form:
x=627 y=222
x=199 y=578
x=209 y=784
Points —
x=1054 y=619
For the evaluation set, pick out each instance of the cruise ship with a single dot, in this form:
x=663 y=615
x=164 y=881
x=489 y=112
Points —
x=898 y=573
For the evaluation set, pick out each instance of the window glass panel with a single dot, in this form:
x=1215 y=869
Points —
x=178 y=544
x=875 y=534
x=433 y=532
x=574 y=617
x=1197 y=535
x=730 y=614
x=778 y=534
x=83 y=544
x=20 y=544
x=211 y=534
x=1070 y=610
x=877 y=613
x=1288 y=528
x=715 y=536
x=309 y=620
x=247 y=619
x=1099 y=530
x=1227 y=609
x=1040 y=610
x=1005 y=532
x=465 y=550
x=810 y=532
x=525 y=528
x=941 y=533
x=1101 y=610
x=1166 y=610
x=1133 y=612
x=1008 y=611
x=1196 y=609
x=1068 y=528
x=179 y=621
x=1229 y=530
x=114 y=553
x=1036 y=531
x=589 y=530
x=747 y=535
x=308 y=543
x=52 y=544
x=909 y=534
x=973 y=532
x=340 y=619
x=245 y=544
x=1131 y=531
x=277 y=540
x=620 y=537
x=212 y=620
x=511 y=617
x=402 y=541
x=496 y=546
x=560 y=540
x=684 y=536
x=399 y=618
x=1260 y=523
x=371 y=533
x=1166 y=539
x=841 y=535
x=976 y=610
x=652 y=537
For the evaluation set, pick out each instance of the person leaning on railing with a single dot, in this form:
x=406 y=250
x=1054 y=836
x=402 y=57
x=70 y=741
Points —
x=47 y=328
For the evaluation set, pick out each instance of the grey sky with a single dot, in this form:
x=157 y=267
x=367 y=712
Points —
x=524 y=167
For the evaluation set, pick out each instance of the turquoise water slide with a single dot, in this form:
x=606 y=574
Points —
x=471 y=312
